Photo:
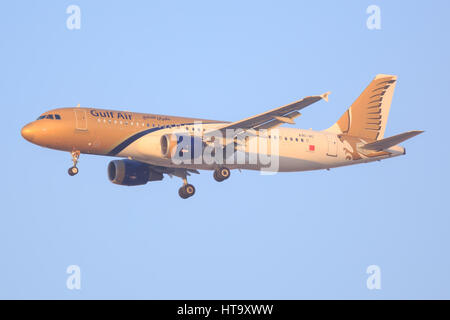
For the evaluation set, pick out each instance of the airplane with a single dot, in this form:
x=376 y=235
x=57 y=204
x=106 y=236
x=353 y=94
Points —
x=151 y=146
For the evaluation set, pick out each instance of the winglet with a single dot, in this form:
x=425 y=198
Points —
x=325 y=96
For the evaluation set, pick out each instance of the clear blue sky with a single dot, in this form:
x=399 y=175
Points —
x=298 y=235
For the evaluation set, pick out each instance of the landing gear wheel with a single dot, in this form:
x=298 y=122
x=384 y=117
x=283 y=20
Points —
x=221 y=174
x=186 y=191
x=75 y=156
x=73 y=171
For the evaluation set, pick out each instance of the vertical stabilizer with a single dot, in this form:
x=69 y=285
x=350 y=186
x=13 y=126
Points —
x=367 y=117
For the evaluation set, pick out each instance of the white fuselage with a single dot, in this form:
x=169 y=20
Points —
x=297 y=150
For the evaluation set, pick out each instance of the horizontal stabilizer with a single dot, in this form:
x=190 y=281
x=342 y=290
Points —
x=391 y=141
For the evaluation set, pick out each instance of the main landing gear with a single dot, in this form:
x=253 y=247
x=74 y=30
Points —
x=187 y=190
x=74 y=170
x=221 y=174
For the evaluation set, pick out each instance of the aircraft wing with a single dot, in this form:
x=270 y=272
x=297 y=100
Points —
x=274 y=117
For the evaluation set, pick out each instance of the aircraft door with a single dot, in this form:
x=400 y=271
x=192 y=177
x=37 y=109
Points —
x=332 y=145
x=80 y=120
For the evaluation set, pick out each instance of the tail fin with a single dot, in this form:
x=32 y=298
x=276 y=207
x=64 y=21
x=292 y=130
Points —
x=367 y=116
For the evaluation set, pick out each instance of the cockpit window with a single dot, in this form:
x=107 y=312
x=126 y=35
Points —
x=50 y=116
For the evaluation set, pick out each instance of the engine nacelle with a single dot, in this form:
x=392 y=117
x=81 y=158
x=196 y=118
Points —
x=131 y=173
x=169 y=143
x=177 y=145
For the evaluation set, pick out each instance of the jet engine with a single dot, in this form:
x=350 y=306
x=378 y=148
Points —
x=169 y=143
x=179 y=145
x=131 y=173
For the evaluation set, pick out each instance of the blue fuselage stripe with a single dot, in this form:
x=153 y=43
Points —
x=139 y=135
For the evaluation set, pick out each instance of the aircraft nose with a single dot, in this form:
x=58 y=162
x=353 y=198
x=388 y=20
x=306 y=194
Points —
x=28 y=132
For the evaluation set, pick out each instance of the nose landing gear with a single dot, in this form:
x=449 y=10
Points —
x=73 y=171
x=75 y=156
